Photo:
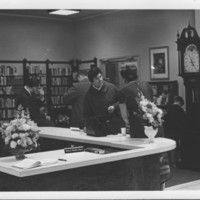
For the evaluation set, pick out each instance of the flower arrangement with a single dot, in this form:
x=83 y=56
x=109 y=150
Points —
x=21 y=134
x=151 y=114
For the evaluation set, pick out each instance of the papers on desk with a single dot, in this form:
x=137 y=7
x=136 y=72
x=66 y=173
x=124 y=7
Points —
x=74 y=129
x=28 y=163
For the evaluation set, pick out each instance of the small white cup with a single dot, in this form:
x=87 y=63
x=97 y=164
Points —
x=123 y=131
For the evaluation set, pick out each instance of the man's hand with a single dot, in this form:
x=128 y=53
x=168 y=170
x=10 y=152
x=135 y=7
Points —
x=111 y=109
x=41 y=93
x=48 y=117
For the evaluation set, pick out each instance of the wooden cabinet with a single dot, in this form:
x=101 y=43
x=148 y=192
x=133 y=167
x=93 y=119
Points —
x=170 y=88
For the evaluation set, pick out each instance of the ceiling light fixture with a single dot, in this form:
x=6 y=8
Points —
x=63 y=12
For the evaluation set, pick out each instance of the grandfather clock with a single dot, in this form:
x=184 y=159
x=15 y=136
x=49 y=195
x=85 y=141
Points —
x=188 y=45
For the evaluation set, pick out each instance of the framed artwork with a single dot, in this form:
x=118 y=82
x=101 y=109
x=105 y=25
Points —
x=159 y=63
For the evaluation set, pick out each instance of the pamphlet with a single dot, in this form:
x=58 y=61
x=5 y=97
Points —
x=28 y=163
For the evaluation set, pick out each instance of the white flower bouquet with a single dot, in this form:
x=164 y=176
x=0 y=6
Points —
x=151 y=114
x=21 y=133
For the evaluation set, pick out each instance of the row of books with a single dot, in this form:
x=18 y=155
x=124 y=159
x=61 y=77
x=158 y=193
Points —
x=6 y=80
x=59 y=80
x=36 y=69
x=57 y=100
x=60 y=71
x=58 y=90
x=7 y=102
x=6 y=90
x=158 y=89
x=7 y=70
x=7 y=113
x=42 y=78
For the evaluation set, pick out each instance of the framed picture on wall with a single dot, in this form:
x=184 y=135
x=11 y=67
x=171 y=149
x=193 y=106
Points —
x=159 y=63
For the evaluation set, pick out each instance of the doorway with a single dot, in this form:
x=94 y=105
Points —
x=111 y=68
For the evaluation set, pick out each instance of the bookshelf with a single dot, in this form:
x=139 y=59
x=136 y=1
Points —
x=59 y=79
x=36 y=69
x=55 y=77
x=159 y=86
x=11 y=82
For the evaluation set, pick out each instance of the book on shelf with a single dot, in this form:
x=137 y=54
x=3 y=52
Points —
x=29 y=163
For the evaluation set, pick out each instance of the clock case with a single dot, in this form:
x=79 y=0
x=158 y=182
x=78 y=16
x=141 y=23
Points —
x=191 y=79
x=188 y=36
x=190 y=139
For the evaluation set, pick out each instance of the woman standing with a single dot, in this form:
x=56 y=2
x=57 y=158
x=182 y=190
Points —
x=128 y=96
x=129 y=109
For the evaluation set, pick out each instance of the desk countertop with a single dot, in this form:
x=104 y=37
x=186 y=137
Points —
x=135 y=148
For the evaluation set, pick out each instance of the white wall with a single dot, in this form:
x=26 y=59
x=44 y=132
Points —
x=133 y=32
x=117 y=34
x=35 y=39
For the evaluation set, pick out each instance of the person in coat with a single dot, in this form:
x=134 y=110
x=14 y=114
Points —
x=101 y=107
x=75 y=97
x=32 y=98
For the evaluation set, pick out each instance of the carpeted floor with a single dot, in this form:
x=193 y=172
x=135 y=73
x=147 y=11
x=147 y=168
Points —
x=183 y=179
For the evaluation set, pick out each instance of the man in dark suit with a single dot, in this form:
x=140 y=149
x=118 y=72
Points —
x=175 y=126
x=32 y=98
x=75 y=97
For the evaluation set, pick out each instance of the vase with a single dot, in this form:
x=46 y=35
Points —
x=150 y=132
x=19 y=154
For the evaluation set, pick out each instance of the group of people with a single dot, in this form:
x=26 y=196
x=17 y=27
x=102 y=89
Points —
x=100 y=108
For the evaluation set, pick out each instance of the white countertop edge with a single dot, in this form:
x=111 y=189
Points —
x=118 y=142
x=161 y=145
x=103 y=159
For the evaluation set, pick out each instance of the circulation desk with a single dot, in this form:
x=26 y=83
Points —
x=135 y=166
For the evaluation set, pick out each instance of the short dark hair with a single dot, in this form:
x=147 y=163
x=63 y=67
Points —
x=129 y=73
x=33 y=82
x=179 y=99
x=94 y=71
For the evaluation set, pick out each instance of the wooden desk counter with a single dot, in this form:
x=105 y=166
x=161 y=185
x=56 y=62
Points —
x=136 y=168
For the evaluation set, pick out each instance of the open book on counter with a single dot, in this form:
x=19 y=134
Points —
x=28 y=163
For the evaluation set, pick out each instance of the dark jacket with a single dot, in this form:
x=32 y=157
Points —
x=75 y=97
x=128 y=95
x=33 y=104
x=174 y=122
x=96 y=105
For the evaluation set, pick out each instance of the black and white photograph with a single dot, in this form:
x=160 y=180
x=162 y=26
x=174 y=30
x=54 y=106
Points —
x=159 y=63
x=99 y=99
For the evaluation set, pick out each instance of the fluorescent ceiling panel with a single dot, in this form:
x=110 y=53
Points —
x=64 y=12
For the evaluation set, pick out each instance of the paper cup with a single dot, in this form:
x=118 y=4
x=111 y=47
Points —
x=123 y=131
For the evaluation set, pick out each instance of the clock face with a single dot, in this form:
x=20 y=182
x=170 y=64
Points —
x=191 y=59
